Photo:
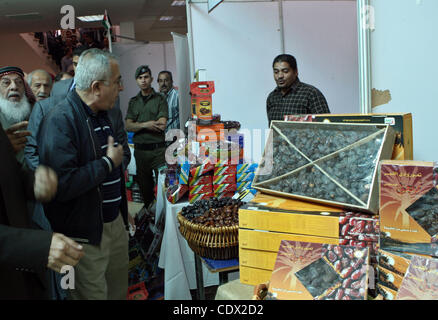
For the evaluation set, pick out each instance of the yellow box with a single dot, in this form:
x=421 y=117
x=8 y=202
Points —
x=257 y=259
x=254 y=276
x=270 y=241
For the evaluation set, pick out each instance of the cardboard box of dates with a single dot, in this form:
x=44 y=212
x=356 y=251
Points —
x=267 y=220
x=401 y=122
x=408 y=207
x=329 y=163
x=420 y=281
x=314 y=271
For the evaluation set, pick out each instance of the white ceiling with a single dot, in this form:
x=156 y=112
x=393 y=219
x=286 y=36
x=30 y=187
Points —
x=44 y=15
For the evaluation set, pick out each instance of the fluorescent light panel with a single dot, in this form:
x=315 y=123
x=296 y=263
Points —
x=96 y=17
x=179 y=3
x=166 y=18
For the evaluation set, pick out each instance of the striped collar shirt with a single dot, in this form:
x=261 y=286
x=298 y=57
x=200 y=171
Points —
x=111 y=186
x=173 y=105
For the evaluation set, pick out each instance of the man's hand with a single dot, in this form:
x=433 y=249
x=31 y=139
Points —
x=114 y=153
x=46 y=184
x=160 y=127
x=132 y=226
x=16 y=137
x=152 y=126
x=63 y=251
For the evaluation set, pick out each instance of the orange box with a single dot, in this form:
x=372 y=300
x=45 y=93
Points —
x=214 y=132
x=201 y=101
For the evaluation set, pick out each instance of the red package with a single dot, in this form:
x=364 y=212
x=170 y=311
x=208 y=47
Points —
x=200 y=196
x=176 y=192
x=225 y=179
x=224 y=188
x=200 y=180
x=202 y=188
x=224 y=170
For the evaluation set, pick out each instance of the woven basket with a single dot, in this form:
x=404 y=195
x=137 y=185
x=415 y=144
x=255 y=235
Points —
x=217 y=243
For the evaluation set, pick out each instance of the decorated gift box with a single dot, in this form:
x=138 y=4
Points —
x=408 y=207
x=401 y=122
x=333 y=164
x=314 y=271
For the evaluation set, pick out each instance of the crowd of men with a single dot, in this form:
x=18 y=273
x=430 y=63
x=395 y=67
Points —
x=64 y=154
x=64 y=151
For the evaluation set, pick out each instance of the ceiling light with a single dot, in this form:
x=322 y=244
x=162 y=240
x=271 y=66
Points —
x=166 y=18
x=179 y=3
x=97 y=17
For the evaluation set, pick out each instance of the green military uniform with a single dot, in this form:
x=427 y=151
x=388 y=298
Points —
x=149 y=147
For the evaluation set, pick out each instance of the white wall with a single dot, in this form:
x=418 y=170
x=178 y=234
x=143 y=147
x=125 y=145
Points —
x=157 y=55
x=404 y=61
x=322 y=35
x=237 y=42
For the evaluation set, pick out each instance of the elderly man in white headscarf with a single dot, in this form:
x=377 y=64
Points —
x=16 y=101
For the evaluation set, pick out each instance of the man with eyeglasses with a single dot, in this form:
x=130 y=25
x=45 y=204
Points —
x=77 y=139
x=59 y=93
x=147 y=118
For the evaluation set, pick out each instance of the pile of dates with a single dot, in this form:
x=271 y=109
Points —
x=311 y=182
x=425 y=212
x=352 y=167
x=317 y=277
x=319 y=141
x=214 y=212
x=285 y=159
x=350 y=264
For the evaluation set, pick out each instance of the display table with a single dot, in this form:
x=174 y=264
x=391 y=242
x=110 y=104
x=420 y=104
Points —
x=176 y=257
x=222 y=267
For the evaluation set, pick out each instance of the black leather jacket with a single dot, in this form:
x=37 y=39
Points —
x=68 y=144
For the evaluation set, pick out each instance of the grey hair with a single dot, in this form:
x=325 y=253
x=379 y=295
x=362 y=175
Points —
x=30 y=76
x=93 y=65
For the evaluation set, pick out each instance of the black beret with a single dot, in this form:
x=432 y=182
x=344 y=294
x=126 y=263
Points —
x=142 y=69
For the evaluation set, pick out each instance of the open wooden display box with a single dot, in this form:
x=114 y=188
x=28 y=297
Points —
x=329 y=163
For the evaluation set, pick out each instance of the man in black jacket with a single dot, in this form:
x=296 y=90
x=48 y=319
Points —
x=76 y=139
x=26 y=251
x=59 y=92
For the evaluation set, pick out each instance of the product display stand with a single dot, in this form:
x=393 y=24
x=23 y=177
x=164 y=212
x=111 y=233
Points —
x=223 y=267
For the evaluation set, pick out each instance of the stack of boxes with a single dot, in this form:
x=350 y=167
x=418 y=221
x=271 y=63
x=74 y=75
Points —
x=269 y=219
x=409 y=229
x=213 y=153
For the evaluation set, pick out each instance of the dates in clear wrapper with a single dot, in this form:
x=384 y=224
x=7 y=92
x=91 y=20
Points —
x=351 y=264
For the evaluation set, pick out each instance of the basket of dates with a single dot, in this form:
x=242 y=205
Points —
x=211 y=227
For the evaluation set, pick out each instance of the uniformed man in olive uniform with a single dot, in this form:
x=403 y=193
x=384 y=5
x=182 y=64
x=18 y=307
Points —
x=147 y=117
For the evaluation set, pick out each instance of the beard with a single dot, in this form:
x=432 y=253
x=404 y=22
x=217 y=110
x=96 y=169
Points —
x=15 y=112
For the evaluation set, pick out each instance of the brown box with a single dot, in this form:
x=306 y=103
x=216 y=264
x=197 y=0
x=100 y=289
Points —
x=401 y=122
x=387 y=293
x=408 y=214
x=329 y=163
x=313 y=271
x=388 y=278
x=394 y=261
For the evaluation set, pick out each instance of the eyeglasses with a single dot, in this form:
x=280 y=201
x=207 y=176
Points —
x=119 y=82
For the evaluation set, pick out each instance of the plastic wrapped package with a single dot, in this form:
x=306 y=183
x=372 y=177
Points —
x=335 y=164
